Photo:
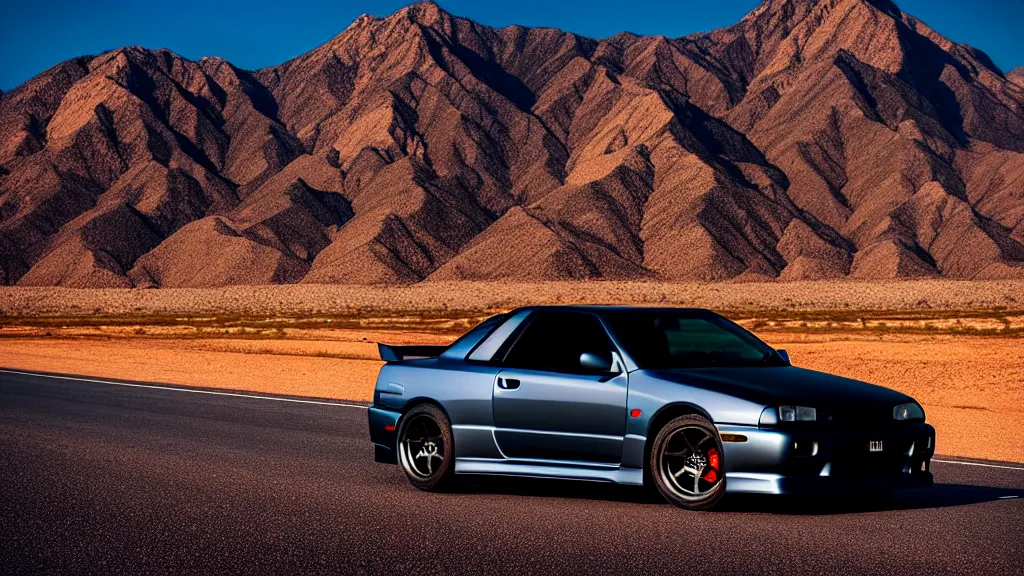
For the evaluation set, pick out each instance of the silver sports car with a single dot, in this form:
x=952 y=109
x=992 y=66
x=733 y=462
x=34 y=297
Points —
x=683 y=400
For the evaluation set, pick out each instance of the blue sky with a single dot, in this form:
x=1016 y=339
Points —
x=36 y=34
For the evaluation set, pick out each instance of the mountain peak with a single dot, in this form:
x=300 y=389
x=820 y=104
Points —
x=362 y=20
x=425 y=13
x=1016 y=75
x=784 y=15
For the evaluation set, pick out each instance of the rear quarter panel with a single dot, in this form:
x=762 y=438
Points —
x=463 y=390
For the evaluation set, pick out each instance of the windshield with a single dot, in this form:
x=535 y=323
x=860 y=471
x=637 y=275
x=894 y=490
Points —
x=665 y=339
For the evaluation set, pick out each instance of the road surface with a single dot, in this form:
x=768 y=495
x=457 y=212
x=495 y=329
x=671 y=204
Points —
x=101 y=477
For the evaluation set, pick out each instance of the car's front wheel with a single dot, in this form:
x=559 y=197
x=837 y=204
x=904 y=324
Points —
x=425 y=448
x=686 y=463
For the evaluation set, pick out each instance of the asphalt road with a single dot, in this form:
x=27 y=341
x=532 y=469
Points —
x=96 y=477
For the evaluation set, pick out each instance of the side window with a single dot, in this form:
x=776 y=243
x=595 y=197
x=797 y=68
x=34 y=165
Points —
x=486 y=350
x=553 y=341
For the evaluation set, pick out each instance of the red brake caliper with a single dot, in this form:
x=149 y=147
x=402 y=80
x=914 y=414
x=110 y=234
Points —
x=712 y=474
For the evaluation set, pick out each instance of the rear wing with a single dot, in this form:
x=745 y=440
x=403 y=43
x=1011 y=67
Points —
x=400 y=353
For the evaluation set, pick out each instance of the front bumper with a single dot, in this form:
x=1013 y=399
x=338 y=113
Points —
x=773 y=461
x=760 y=483
x=382 y=433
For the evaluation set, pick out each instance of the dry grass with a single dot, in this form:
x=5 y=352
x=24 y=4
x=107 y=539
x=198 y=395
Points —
x=449 y=299
x=268 y=312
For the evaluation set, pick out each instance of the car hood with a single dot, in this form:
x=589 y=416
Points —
x=786 y=385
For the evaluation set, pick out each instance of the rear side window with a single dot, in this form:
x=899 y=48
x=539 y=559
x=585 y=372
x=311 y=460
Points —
x=553 y=341
x=467 y=341
x=485 y=351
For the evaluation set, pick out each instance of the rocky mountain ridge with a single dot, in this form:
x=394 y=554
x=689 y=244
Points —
x=813 y=139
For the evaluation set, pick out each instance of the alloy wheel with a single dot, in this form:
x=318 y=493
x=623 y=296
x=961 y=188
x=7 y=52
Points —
x=422 y=446
x=690 y=463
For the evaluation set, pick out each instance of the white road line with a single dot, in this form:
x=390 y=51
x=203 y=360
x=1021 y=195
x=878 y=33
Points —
x=341 y=404
x=978 y=464
x=295 y=400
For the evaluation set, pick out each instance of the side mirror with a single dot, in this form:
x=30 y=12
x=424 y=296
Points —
x=784 y=355
x=596 y=362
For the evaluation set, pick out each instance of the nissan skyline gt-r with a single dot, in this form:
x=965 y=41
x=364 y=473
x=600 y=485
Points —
x=683 y=400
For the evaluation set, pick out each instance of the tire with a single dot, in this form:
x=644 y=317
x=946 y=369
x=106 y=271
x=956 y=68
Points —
x=687 y=463
x=426 y=448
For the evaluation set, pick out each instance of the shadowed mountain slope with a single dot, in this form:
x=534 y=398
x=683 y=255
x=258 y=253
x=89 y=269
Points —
x=813 y=139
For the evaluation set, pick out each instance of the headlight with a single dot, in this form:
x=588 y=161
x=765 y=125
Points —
x=797 y=414
x=908 y=411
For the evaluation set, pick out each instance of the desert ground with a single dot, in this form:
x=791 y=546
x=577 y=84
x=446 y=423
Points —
x=957 y=347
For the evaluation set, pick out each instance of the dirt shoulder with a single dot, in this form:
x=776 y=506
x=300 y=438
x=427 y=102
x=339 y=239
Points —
x=972 y=387
x=338 y=363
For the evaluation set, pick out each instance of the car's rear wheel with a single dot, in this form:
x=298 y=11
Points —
x=686 y=463
x=425 y=448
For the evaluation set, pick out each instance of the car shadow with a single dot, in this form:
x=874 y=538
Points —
x=936 y=496
x=553 y=488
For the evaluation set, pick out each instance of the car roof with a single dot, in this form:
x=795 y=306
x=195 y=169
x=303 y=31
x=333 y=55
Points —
x=603 y=308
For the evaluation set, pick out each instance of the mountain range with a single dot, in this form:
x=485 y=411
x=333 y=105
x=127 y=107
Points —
x=811 y=140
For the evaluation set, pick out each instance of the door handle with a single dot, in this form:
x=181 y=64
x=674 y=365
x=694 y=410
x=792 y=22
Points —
x=508 y=383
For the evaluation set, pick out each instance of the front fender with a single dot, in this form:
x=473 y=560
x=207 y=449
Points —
x=651 y=395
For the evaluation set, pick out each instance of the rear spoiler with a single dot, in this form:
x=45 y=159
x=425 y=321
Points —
x=400 y=353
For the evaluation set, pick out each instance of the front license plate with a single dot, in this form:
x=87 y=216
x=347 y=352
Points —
x=874 y=446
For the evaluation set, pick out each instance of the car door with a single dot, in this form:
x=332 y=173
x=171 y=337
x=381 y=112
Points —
x=547 y=406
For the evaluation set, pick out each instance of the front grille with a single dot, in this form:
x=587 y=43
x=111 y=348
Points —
x=873 y=419
x=852 y=457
